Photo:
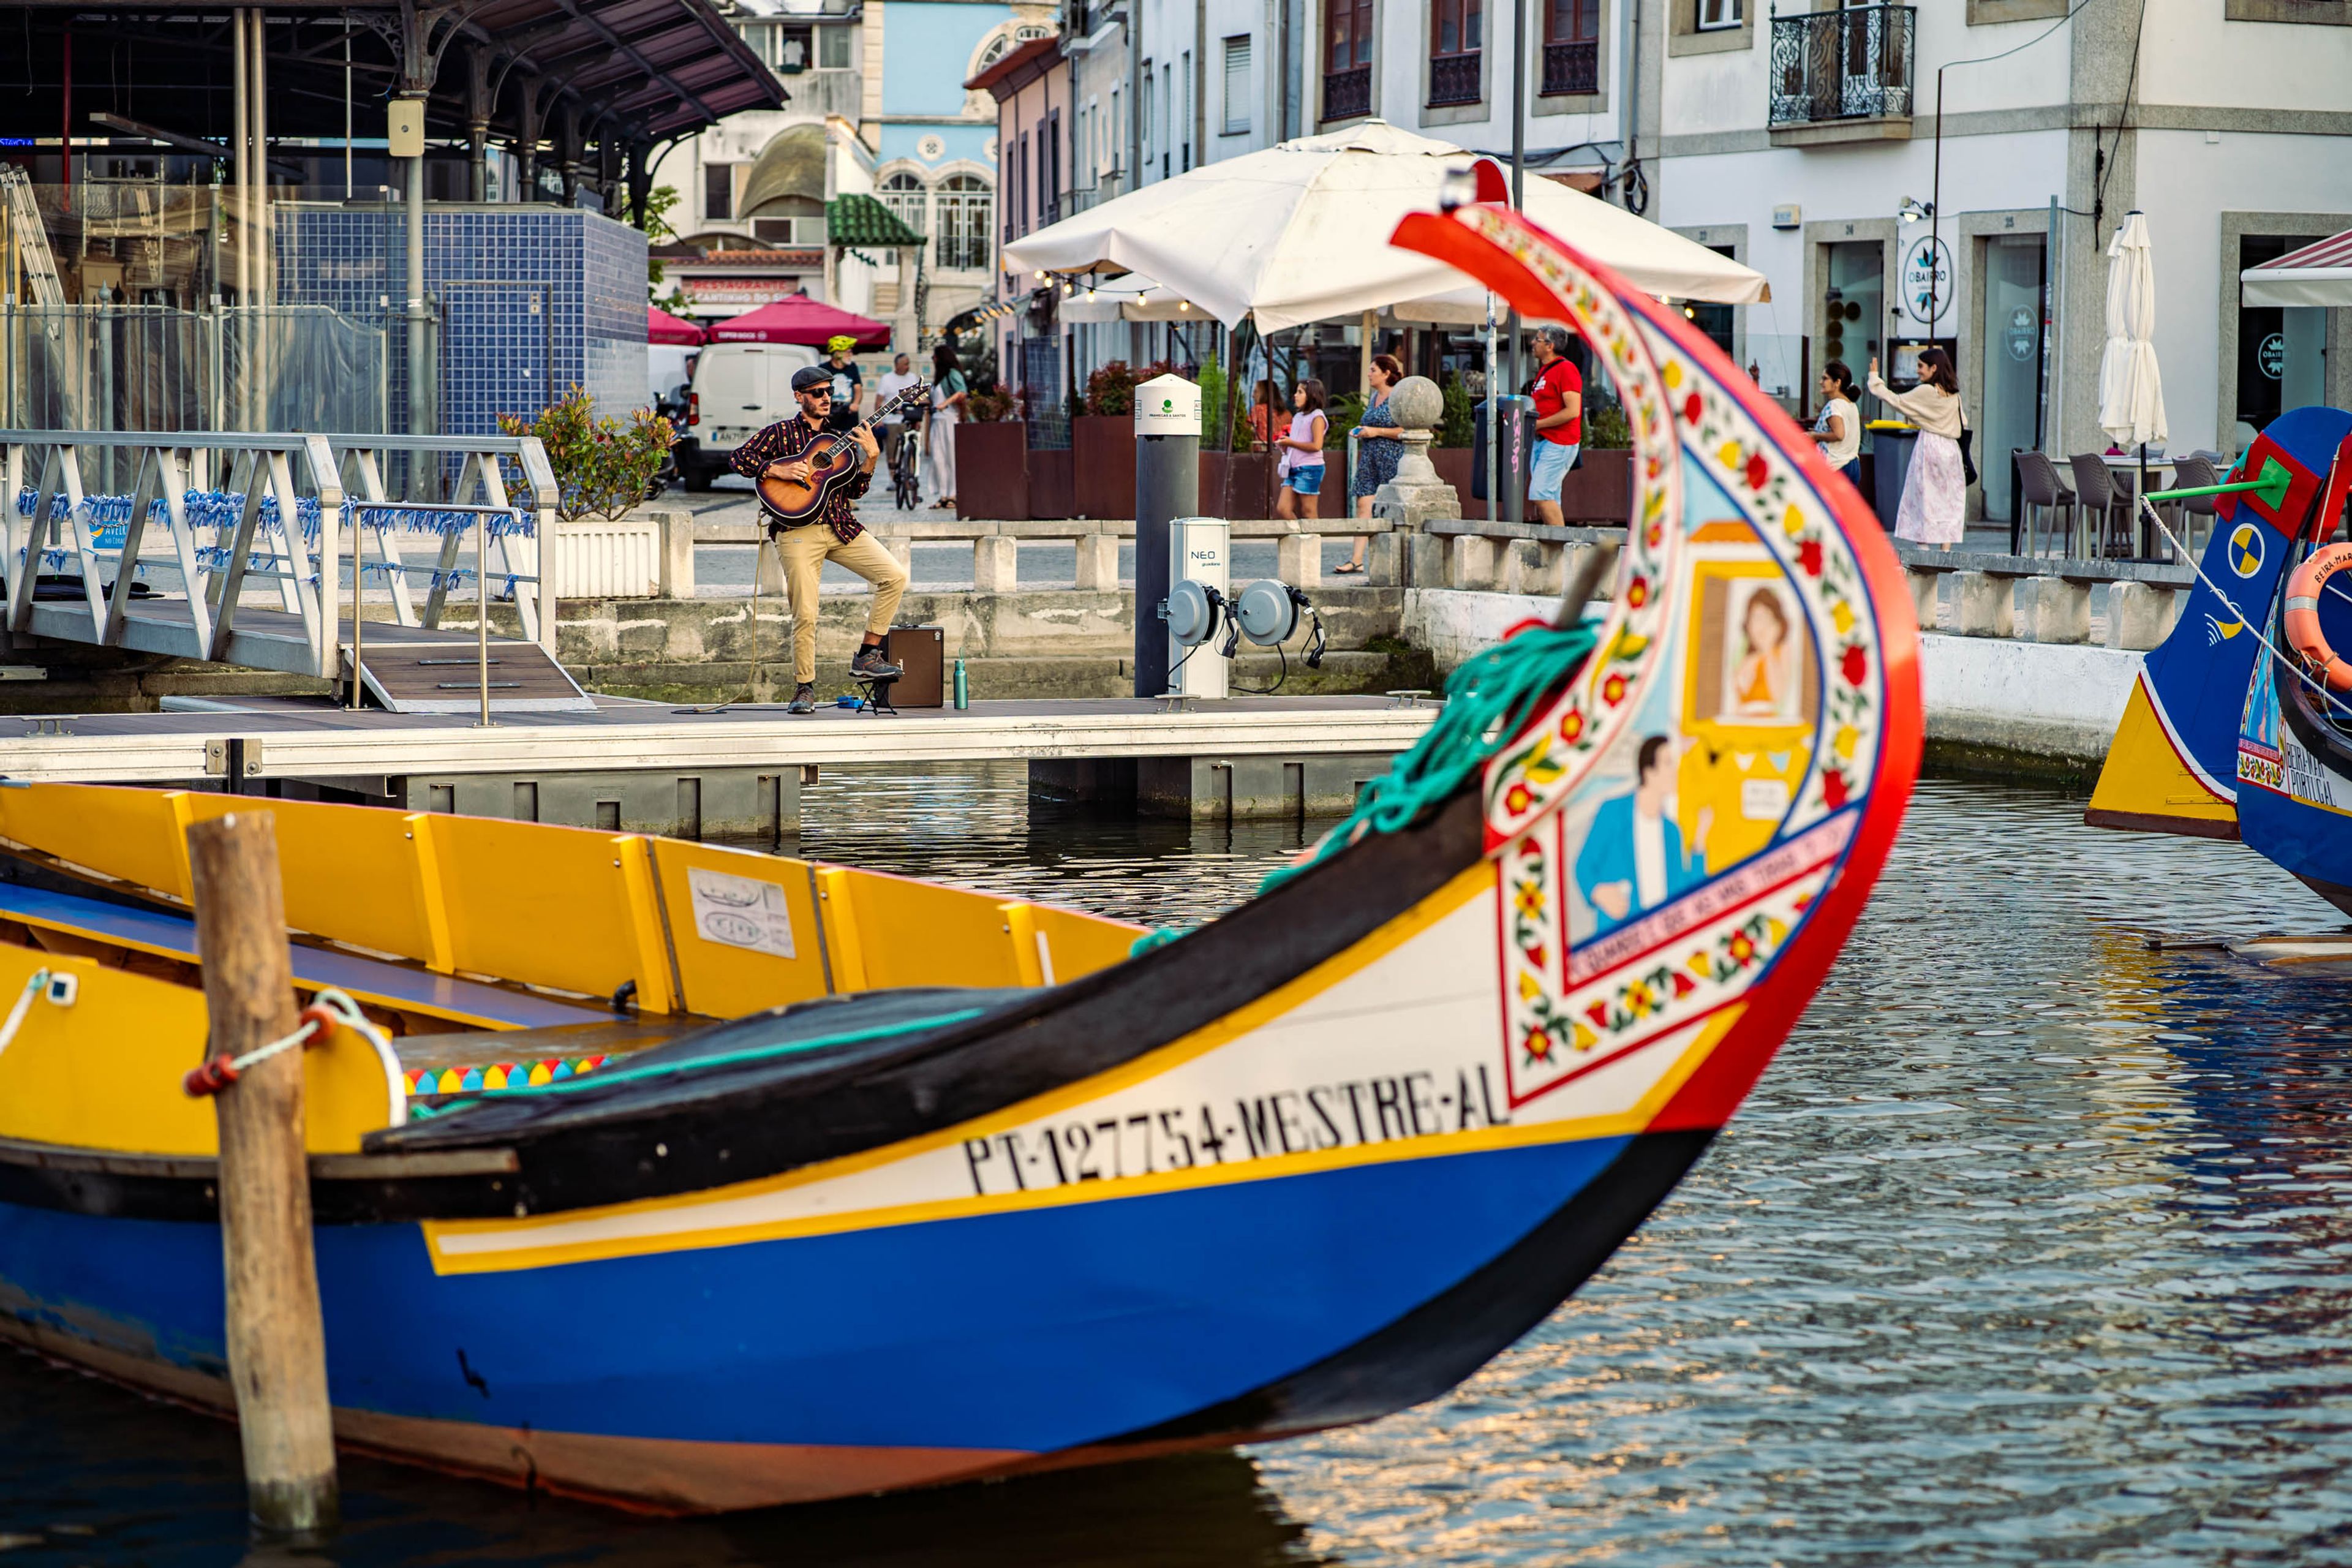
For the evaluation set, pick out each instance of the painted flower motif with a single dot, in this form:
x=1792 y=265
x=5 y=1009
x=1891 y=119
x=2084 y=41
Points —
x=1854 y=665
x=1529 y=900
x=1842 y=616
x=1518 y=798
x=1538 y=1044
x=1834 y=789
x=1684 y=985
x=1612 y=690
x=1528 y=989
x=1599 y=1014
x=1692 y=409
x=1639 y=999
x=1758 y=471
x=1637 y=593
x=1793 y=522
x=1540 y=955
x=1809 y=556
x=1729 y=455
x=1672 y=374
x=1571 y=726
x=1740 y=949
x=1846 y=740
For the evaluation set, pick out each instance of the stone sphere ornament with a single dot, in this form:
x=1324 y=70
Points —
x=1416 y=404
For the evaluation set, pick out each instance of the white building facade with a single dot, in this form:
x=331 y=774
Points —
x=1806 y=145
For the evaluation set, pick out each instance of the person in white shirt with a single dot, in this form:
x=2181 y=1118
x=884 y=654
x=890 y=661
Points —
x=900 y=427
x=1838 y=428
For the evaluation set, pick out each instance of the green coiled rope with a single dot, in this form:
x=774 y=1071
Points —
x=1486 y=702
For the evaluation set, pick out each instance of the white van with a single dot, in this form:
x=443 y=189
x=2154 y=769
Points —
x=738 y=390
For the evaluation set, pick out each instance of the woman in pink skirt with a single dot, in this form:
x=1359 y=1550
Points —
x=1935 y=488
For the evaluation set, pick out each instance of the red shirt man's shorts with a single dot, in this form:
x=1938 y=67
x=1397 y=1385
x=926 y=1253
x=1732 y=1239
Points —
x=1558 y=379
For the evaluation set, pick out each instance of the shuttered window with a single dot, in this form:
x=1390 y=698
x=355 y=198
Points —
x=1237 y=85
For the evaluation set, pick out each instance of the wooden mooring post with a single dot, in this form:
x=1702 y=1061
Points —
x=276 y=1342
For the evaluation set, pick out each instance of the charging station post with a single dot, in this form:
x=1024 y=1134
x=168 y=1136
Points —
x=1167 y=486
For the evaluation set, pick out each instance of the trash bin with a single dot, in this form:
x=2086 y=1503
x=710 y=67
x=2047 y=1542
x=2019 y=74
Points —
x=1518 y=438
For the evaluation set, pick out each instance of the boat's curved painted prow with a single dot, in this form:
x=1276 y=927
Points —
x=2173 y=764
x=1313 y=1163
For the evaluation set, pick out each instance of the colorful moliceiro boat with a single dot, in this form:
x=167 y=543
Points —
x=987 y=1194
x=2236 y=728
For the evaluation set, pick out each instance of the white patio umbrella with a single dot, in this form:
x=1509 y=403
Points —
x=1299 y=232
x=2131 y=394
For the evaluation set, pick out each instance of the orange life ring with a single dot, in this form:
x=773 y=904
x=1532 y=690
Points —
x=2302 y=633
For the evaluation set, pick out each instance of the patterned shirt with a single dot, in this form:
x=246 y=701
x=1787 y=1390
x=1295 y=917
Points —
x=782 y=442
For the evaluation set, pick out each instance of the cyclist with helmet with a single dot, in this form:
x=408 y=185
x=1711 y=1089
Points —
x=833 y=534
x=848 y=382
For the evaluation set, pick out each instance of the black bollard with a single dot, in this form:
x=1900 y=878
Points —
x=1166 y=485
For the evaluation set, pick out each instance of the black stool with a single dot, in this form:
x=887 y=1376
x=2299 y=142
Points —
x=876 y=691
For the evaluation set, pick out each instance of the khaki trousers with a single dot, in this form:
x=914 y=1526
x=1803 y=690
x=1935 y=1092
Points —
x=804 y=551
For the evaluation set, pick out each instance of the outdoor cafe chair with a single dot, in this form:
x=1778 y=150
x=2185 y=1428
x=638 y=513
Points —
x=2104 y=491
x=2189 y=473
x=2045 y=497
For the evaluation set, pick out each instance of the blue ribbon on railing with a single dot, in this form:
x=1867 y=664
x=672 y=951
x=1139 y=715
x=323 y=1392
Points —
x=225 y=508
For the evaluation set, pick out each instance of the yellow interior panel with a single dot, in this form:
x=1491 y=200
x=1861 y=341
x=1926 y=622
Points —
x=350 y=872
x=104 y=1072
x=726 y=933
x=138 y=834
x=552 y=906
x=2145 y=785
x=919 y=933
x=1080 y=944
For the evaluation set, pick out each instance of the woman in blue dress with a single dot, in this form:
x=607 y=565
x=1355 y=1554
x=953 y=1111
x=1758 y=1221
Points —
x=1379 y=445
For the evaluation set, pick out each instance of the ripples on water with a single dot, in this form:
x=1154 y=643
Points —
x=2031 y=1246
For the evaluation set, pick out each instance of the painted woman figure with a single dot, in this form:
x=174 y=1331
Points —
x=1763 y=680
x=1935 y=488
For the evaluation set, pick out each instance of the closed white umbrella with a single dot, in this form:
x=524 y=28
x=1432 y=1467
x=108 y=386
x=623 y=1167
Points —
x=1299 y=232
x=2131 y=394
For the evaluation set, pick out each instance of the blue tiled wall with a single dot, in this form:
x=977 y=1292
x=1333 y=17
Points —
x=533 y=299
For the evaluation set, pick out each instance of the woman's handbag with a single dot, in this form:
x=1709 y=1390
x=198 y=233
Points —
x=1968 y=458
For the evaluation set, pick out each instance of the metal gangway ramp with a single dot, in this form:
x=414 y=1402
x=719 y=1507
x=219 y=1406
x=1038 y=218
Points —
x=277 y=513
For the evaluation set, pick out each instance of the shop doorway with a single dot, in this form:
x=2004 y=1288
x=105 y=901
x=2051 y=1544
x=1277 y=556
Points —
x=2282 y=359
x=1853 y=317
x=2013 y=347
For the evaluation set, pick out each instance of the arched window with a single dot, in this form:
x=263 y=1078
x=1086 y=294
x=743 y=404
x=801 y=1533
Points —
x=908 y=200
x=963 y=221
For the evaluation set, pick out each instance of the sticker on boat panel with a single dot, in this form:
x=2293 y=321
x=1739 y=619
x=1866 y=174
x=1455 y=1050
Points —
x=740 y=912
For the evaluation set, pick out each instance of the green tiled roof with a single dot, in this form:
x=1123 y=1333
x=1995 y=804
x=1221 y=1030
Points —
x=863 y=220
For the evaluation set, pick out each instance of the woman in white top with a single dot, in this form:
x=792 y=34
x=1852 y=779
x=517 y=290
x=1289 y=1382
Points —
x=1838 y=429
x=1935 y=488
x=947 y=395
x=1302 y=452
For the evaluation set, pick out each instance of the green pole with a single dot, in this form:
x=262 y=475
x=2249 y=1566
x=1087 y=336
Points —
x=2272 y=487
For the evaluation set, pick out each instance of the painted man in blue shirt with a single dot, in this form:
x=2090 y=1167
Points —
x=1633 y=860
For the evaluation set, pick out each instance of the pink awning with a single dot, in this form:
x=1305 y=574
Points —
x=661 y=327
x=800 y=320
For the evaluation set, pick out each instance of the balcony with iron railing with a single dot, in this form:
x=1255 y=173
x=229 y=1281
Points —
x=1454 y=79
x=1347 y=94
x=1842 y=75
x=1571 y=68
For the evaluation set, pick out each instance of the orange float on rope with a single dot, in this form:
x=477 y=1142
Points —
x=2302 y=633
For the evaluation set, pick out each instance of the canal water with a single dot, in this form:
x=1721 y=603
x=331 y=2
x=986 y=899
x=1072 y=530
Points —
x=2032 y=1246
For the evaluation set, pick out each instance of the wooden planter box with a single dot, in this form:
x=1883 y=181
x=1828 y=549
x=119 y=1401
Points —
x=1250 y=483
x=1049 y=483
x=1602 y=491
x=1102 y=465
x=992 y=471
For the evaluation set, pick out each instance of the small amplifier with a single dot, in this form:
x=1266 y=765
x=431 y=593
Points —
x=923 y=651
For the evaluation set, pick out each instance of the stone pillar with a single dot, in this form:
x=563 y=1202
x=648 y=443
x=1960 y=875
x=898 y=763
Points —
x=995 y=564
x=1532 y=566
x=2051 y=609
x=1298 y=560
x=1984 y=604
x=676 y=551
x=1098 y=562
x=2139 y=615
x=1925 y=588
x=1416 y=496
x=1473 y=563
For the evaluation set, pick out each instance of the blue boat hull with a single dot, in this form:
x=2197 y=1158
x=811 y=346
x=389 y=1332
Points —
x=786 y=1369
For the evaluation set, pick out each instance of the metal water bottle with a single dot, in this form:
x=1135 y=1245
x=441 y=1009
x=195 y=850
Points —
x=962 y=688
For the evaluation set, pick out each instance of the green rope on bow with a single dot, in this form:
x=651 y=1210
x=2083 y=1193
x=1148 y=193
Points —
x=1487 y=701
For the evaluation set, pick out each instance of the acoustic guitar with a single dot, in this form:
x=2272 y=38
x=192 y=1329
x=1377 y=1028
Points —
x=832 y=461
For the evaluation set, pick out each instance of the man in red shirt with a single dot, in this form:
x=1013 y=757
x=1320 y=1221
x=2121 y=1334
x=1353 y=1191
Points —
x=1559 y=422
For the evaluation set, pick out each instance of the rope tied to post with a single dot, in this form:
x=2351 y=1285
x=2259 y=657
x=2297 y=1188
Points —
x=327 y=1010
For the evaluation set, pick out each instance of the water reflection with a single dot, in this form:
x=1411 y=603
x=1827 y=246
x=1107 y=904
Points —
x=2031 y=1247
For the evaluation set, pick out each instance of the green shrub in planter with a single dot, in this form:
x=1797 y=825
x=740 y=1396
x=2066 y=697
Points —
x=601 y=466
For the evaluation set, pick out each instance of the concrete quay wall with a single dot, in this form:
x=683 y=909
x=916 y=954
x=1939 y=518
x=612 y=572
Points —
x=2031 y=701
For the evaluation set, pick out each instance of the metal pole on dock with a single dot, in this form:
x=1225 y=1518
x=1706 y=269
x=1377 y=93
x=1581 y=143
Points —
x=1167 y=486
x=482 y=608
x=276 y=1342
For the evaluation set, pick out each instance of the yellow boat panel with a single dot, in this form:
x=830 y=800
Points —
x=744 y=928
x=564 y=907
x=351 y=876
x=137 y=835
x=2146 y=786
x=919 y=933
x=104 y=1071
